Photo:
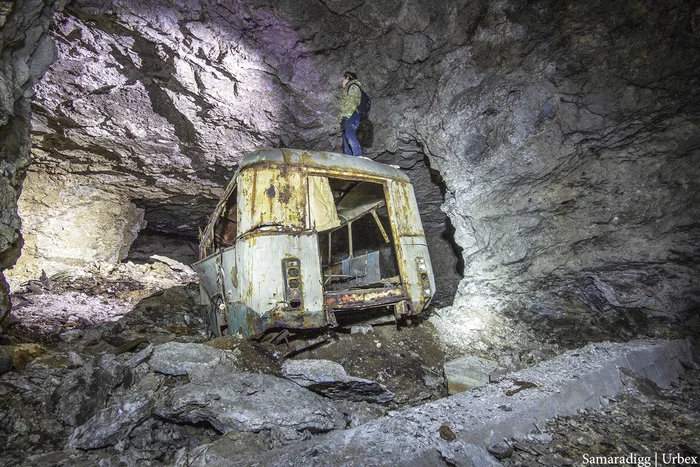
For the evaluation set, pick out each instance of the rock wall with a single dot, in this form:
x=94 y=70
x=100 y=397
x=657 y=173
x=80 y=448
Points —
x=68 y=224
x=565 y=134
x=568 y=138
x=25 y=52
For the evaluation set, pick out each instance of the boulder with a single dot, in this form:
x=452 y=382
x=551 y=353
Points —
x=177 y=358
x=330 y=379
x=112 y=424
x=5 y=361
x=249 y=402
x=84 y=391
x=22 y=354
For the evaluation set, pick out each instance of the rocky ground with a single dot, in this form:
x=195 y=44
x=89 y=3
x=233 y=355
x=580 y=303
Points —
x=115 y=368
x=105 y=366
x=646 y=421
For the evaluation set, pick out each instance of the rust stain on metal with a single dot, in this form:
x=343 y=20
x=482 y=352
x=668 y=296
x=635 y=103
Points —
x=276 y=215
x=365 y=298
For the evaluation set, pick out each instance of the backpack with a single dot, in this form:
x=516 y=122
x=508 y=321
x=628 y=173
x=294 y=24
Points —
x=365 y=104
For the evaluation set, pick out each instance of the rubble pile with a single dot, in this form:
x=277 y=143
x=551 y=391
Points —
x=109 y=369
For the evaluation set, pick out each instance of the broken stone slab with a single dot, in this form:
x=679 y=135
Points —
x=115 y=422
x=330 y=379
x=112 y=424
x=564 y=385
x=84 y=391
x=470 y=372
x=361 y=329
x=140 y=356
x=176 y=358
x=249 y=402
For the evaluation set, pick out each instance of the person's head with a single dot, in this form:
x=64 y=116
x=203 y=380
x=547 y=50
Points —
x=348 y=76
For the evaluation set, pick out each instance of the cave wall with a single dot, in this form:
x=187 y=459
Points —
x=26 y=50
x=565 y=134
x=69 y=224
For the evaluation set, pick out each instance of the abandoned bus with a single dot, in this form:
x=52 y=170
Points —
x=301 y=237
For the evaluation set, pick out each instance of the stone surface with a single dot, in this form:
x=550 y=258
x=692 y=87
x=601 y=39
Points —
x=249 y=402
x=23 y=354
x=68 y=223
x=176 y=358
x=112 y=424
x=26 y=50
x=564 y=385
x=565 y=208
x=5 y=361
x=84 y=391
x=330 y=379
x=470 y=372
x=126 y=410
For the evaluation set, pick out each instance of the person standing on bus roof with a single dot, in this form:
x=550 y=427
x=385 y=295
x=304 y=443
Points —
x=349 y=115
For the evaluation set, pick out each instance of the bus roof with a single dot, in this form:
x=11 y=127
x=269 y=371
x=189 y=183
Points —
x=324 y=161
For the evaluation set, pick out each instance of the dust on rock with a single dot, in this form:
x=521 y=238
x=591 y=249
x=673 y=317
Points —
x=644 y=421
x=80 y=321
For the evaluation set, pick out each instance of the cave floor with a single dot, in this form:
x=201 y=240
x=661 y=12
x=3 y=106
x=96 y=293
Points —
x=73 y=319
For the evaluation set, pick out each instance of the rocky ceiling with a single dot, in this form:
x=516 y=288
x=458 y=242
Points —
x=560 y=138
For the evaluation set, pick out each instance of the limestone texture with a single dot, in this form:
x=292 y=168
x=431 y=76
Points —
x=69 y=223
x=331 y=380
x=559 y=139
x=26 y=50
x=84 y=391
x=111 y=424
x=470 y=372
x=248 y=402
x=176 y=358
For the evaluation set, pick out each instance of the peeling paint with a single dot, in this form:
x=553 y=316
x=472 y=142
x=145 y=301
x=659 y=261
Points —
x=278 y=274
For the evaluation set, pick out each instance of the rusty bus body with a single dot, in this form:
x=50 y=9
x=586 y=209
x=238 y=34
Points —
x=301 y=236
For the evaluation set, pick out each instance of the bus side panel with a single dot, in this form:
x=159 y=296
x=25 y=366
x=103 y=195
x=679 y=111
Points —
x=412 y=251
x=229 y=280
x=262 y=284
x=208 y=272
x=215 y=276
x=421 y=290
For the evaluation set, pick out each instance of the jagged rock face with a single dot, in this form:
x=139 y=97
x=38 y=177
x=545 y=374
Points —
x=161 y=100
x=25 y=52
x=566 y=135
x=568 y=140
x=69 y=223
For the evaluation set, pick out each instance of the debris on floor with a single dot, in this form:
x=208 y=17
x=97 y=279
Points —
x=115 y=370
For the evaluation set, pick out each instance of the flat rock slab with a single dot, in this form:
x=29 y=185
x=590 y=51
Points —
x=249 y=402
x=177 y=358
x=484 y=416
x=330 y=379
x=470 y=372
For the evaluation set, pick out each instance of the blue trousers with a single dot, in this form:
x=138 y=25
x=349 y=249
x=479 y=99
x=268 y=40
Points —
x=350 y=142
